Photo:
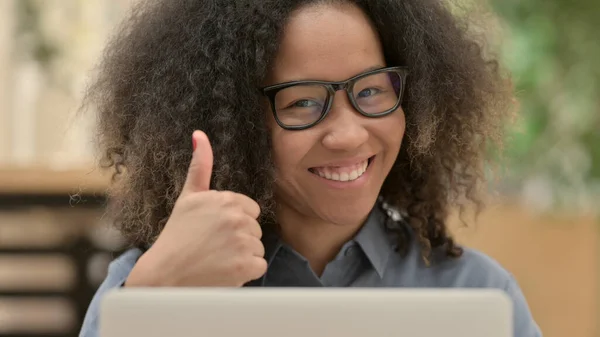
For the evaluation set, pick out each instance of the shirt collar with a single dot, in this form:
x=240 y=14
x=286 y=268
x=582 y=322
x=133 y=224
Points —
x=375 y=240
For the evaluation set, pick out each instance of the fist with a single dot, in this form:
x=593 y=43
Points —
x=212 y=238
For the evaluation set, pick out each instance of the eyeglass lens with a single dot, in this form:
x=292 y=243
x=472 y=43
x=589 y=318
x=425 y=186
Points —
x=304 y=104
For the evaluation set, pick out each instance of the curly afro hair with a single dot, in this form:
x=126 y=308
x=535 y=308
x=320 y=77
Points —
x=177 y=66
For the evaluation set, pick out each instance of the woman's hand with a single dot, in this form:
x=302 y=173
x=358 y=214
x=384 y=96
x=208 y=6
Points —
x=211 y=239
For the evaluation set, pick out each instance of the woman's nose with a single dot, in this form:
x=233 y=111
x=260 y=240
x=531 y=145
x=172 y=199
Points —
x=345 y=126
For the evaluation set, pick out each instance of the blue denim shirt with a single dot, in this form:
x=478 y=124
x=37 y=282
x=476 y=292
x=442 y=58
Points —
x=369 y=260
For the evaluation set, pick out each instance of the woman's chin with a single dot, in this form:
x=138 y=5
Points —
x=345 y=215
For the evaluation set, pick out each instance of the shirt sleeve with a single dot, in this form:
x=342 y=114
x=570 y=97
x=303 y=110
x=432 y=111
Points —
x=118 y=271
x=524 y=324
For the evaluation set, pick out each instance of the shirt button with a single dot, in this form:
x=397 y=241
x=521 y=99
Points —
x=351 y=251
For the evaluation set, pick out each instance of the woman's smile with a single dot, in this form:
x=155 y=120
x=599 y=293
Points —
x=343 y=175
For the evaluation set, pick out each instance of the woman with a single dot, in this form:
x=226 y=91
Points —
x=336 y=136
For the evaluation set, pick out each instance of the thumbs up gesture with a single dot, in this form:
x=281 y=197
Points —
x=212 y=238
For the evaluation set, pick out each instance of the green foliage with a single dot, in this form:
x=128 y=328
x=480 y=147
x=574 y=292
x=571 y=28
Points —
x=34 y=43
x=553 y=52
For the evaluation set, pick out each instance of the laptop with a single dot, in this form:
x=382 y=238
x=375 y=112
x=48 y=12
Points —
x=305 y=312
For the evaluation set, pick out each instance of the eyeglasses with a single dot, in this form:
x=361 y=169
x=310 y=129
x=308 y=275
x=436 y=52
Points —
x=300 y=105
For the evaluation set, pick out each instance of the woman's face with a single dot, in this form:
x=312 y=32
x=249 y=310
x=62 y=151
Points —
x=332 y=43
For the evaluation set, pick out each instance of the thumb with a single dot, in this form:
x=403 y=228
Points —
x=200 y=170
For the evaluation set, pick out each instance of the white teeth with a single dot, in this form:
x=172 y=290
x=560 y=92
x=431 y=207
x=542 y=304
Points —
x=358 y=171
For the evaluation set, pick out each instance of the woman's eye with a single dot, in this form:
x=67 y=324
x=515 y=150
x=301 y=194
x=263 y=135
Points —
x=368 y=92
x=304 y=103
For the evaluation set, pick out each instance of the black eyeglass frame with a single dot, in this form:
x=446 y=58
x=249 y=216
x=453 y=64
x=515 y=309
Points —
x=332 y=87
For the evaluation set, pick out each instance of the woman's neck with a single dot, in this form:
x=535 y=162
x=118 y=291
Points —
x=318 y=241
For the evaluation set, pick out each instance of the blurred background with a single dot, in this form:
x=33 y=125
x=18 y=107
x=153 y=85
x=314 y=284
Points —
x=542 y=222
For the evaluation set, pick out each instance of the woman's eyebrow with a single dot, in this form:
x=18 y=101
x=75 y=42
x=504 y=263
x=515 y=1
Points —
x=375 y=67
